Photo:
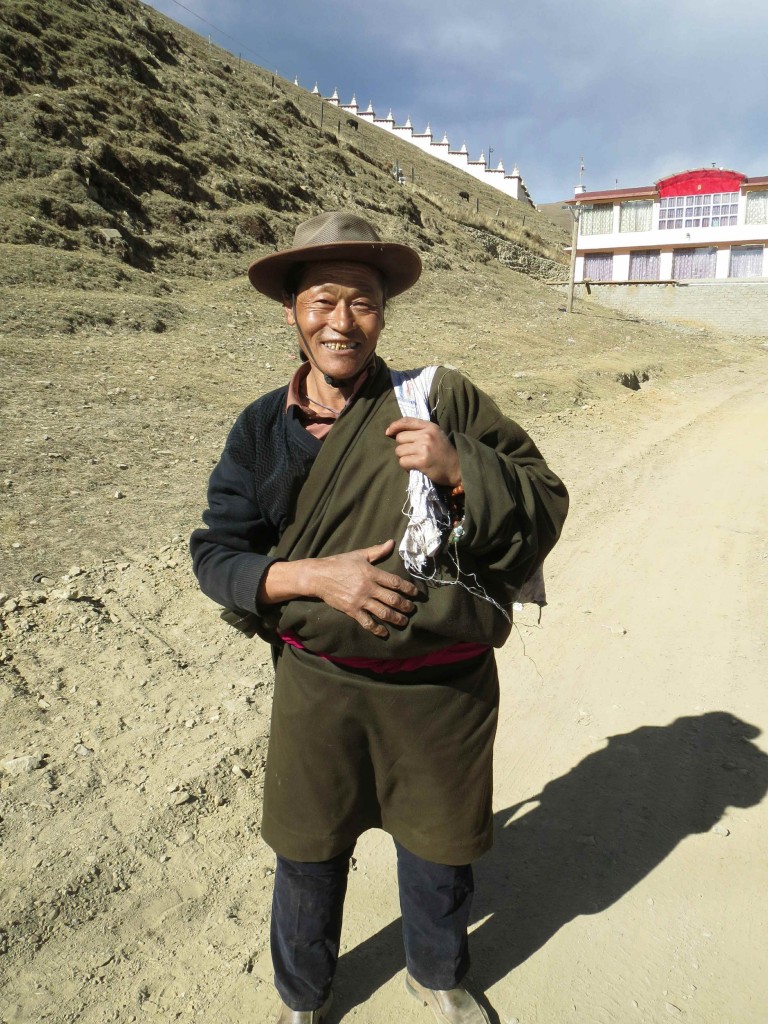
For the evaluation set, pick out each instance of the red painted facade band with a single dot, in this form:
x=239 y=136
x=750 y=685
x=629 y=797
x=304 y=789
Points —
x=701 y=182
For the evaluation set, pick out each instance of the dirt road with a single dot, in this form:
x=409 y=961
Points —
x=628 y=878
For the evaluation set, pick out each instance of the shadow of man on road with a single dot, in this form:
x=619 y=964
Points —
x=587 y=839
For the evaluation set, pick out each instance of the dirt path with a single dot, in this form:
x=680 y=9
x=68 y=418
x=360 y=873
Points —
x=627 y=880
x=646 y=853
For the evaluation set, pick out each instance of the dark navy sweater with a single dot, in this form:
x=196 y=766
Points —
x=251 y=494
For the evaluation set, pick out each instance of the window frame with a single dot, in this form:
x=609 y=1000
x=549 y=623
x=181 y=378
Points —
x=698 y=211
x=606 y=257
x=756 y=247
x=634 y=253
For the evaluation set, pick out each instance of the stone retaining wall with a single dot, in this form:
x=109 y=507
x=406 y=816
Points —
x=738 y=306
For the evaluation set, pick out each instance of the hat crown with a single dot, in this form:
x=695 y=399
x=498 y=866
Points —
x=329 y=228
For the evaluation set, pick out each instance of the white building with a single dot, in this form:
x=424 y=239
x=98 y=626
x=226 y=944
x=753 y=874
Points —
x=703 y=224
x=510 y=184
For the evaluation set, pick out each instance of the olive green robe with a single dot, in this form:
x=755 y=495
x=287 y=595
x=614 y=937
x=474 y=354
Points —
x=410 y=752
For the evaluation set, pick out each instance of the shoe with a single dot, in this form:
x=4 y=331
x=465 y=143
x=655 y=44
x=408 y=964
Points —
x=289 y=1016
x=450 y=1006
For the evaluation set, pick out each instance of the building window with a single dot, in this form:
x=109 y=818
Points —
x=636 y=215
x=713 y=211
x=694 y=263
x=746 y=261
x=596 y=220
x=598 y=266
x=644 y=265
x=757 y=208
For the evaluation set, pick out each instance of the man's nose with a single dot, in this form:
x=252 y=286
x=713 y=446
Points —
x=341 y=319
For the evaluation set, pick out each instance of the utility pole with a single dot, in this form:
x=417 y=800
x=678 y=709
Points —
x=575 y=212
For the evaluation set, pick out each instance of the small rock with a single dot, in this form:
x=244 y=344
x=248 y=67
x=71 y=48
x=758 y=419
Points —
x=190 y=723
x=241 y=773
x=720 y=830
x=16 y=545
x=23 y=765
x=82 y=751
x=75 y=570
x=672 y=1010
x=119 y=494
x=182 y=797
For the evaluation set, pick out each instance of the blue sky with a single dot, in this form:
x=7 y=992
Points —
x=639 y=88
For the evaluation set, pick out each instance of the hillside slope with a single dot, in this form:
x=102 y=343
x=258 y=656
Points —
x=124 y=135
x=142 y=170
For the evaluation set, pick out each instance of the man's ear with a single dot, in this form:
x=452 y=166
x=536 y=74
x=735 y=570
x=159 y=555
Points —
x=288 y=309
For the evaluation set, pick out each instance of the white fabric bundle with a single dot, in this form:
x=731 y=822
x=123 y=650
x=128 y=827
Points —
x=427 y=514
x=428 y=517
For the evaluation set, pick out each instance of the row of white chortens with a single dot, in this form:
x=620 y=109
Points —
x=510 y=184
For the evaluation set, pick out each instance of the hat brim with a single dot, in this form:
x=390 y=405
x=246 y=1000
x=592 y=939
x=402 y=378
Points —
x=400 y=265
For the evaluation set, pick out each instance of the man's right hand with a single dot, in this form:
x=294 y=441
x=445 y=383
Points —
x=350 y=583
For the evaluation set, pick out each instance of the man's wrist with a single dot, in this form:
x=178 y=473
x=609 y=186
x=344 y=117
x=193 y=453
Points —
x=284 y=581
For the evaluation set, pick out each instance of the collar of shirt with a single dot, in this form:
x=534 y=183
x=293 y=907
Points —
x=316 y=420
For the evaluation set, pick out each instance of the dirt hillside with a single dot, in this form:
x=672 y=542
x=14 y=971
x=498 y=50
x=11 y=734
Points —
x=627 y=880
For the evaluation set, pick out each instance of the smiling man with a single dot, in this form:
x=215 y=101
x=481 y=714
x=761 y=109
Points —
x=382 y=717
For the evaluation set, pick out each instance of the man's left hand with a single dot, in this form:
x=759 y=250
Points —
x=420 y=444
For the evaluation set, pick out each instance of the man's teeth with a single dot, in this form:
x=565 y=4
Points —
x=339 y=346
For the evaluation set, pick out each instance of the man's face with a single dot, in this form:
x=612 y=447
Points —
x=340 y=310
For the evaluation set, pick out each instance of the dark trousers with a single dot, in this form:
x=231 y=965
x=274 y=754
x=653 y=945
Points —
x=307 y=909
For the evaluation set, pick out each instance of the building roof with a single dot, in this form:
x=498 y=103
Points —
x=614 y=193
x=699 y=179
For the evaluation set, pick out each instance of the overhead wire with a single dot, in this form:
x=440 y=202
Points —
x=220 y=31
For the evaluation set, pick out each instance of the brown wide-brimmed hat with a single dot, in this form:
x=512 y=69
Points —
x=337 y=236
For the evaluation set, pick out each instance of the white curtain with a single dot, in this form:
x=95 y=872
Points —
x=596 y=220
x=644 y=265
x=757 y=208
x=598 y=266
x=746 y=261
x=636 y=215
x=688 y=264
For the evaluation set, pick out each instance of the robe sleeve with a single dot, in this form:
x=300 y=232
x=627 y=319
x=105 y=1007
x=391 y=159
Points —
x=515 y=506
x=230 y=555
